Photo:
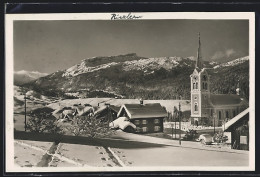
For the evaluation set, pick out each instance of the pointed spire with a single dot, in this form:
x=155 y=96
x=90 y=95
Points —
x=199 y=57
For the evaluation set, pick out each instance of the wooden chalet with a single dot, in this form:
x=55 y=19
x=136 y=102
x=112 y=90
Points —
x=148 y=118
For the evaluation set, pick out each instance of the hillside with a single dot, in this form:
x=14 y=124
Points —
x=131 y=76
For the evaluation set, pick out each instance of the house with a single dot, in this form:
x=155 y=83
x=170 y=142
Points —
x=211 y=109
x=83 y=110
x=239 y=129
x=147 y=118
x=107 y=112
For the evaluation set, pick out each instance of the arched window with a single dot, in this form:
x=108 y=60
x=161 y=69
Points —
x=193 y=85
x=219 y=114
x=206 y=86
x=227 y=116
x=196 y=107
x=196 y=85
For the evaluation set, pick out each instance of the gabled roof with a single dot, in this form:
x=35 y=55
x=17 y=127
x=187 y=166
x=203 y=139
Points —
x=144 y=111
x=235 y=119
x=225 y=99
x=114 y=108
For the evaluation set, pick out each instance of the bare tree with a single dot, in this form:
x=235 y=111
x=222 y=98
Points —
x=89 y=126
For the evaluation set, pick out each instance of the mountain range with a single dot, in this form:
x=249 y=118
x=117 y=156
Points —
x=132 y=76
x=22 y=77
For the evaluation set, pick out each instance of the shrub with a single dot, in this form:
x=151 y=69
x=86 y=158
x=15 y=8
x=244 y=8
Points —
x=220 y=137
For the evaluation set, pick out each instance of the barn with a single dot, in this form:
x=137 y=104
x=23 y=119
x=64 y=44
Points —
x=148 y=118
x=239 y=129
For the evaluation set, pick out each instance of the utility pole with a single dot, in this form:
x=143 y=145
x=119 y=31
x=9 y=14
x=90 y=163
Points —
x=25 y=125
x=180 y=123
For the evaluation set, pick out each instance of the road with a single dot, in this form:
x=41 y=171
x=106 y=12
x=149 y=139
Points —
x=150 y=151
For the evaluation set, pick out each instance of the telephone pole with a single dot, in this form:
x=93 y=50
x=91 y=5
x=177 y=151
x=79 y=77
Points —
x=25 y=125
x=180 y=123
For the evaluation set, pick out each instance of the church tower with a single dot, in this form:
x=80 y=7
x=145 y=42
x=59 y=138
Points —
x=199 y=89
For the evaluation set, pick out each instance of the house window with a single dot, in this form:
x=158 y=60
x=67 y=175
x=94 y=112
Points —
x=156 y=121
x=157 y=128
x=144 y=121
x=196 y=107
x=137 y=122
x=144 y=129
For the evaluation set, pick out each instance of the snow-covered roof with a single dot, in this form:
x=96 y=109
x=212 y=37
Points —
x=143 y=111
x=225 y=99
x=235 y=119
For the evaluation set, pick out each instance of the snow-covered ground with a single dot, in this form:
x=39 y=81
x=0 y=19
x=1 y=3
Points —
x=168 y=104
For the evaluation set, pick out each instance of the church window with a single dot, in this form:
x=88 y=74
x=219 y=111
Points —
x=227 y=116
x=205 y=78
x=196 y=107
x=206 y=86
x=219 y=114
x=196 y=85
x=193 y=85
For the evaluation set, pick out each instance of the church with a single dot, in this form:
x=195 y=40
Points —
x=211 y=109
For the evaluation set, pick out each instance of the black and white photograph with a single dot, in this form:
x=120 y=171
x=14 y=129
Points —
x=130 y=92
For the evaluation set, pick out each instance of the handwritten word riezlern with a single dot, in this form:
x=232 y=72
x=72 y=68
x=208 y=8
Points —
x=124 y=17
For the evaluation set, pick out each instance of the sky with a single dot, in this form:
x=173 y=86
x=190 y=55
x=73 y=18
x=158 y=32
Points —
x=48 y=46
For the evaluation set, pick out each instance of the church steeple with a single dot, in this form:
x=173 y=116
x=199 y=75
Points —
x=199 y=56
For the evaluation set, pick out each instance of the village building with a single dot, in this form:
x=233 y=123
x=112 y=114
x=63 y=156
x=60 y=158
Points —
x=239 y=129
x=148 y=118
x=207 y=108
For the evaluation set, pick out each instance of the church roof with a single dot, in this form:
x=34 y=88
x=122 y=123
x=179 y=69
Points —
x=235 y=119
x=144 y=111
x=225 y=99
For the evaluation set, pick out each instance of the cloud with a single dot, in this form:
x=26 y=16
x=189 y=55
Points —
x=226 y=54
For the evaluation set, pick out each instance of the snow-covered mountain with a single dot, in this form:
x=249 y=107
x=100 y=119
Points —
x=233 y=62
x=22 y=77
x=132 y=76
x=141 y=64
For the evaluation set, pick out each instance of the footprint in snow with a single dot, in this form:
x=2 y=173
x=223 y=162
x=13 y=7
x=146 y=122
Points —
x=103 y=159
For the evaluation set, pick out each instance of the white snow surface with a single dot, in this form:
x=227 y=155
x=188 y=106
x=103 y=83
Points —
x=233 y=62
x=152 y=63
x=31 y=74
x=142 y=64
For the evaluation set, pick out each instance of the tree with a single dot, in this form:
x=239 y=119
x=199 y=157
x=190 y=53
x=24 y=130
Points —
x=89 y=126
x=40 y=122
